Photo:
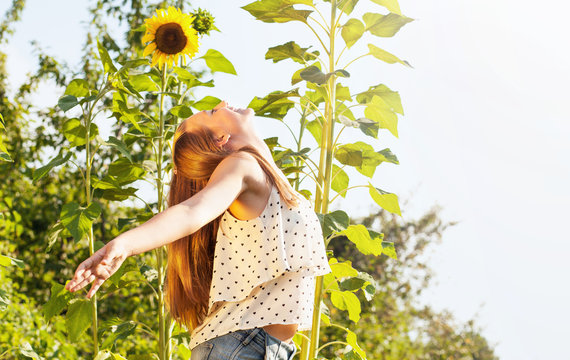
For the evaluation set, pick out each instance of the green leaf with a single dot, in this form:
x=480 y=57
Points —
x=183 y=74
x=315 y=75
x=278 y=11
x=143 y=82
x=345 y=5
x=360 y=155
x=77 y=220
x=391 y=5
x=351 y=31
x=125 y=171
x=78 y=318
x=315 y=128
x=217 y=62
x=118 y=332
x=333 y=222
x=391 y=98
x=339 y=181
x=389 y=156
x=119 y=145
x=351 y=340
x=379 y=111
x=343 y=269
x=67 y=102
x=368 y=127
x=275 y=104
x=359 y=235
x=206 y=103
x=290 y=50
x=56 y=161
x=58 y=300
x=296 y=78
x=182 y=111
x=389 y=249
x=118 y=194
x=53 y=234
x=77 y=88
x=75 y=132
x=386 y=56
x=384 y=25
x=27 y=351
x=385 y=200
x=106 y=59
x=347 y=300
x=9 y=261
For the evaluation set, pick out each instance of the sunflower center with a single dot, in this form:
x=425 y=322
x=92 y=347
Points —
x=170 y=38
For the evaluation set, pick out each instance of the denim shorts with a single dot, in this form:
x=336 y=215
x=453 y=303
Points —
x=247 y=344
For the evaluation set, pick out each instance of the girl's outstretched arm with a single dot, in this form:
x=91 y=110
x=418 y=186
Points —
x=226 y=183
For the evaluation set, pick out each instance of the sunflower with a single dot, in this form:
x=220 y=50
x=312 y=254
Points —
x=170 y=36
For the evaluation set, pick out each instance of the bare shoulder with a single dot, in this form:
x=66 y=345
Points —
x=253 y=174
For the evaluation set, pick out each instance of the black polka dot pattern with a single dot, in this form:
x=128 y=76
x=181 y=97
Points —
x=264 y=270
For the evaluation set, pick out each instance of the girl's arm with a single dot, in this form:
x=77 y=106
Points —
x=226 y=183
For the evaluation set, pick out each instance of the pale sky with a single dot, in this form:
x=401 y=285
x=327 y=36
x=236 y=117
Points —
x=484 y=135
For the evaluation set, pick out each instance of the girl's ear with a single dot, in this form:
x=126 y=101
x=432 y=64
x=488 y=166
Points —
x=224 y=140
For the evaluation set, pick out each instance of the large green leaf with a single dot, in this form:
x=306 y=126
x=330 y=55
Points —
x=119 y=145
x=78 y=318
x=278 y=11
x=347 y=300
x=315 y=128
x=206 y=103
x=56 y=161
x=360 y=155
x=351 y=340
x=384 y=25
x=391 y=5
x=315 y=75
x=380 y=111
x=106 y=59
x=75 y=131
x=385 y=200
x=333 y=222
x=351 y=31
x=77 y=219
x=389 y=249
x=143 y=82
x=343 y=269
x=58 y=300
x=9 y=261
x=359 y=235
x=386 y=56
x=339 y=181
x=124 y=171
x=118 y=332
x=275 y=104
x=77 y=88
x=218 y=62
x=290 y=50
x=182 y=111
x=67 y=102
x=391 y=98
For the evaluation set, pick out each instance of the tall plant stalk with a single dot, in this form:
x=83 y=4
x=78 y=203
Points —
x=164 y=328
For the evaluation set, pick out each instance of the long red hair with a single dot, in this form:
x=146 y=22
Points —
x=191 y=258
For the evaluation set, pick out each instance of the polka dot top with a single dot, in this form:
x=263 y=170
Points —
x=264 y=270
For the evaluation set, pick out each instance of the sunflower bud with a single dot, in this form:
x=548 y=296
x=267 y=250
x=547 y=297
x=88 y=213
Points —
x=203 y=21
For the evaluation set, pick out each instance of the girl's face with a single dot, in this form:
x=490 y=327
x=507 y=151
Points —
x=226 y=122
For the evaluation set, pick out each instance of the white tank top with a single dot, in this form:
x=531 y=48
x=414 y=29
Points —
x=264 y=270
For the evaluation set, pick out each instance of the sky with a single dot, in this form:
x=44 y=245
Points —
x=484 y=135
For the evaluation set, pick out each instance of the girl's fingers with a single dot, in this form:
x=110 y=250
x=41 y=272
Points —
x=95 y=287
x=84 y=282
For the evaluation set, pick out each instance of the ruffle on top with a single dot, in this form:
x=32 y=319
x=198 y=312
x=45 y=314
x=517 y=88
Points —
x=251 y=252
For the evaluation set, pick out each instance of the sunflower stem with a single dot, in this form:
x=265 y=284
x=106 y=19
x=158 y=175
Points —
x=163 y=338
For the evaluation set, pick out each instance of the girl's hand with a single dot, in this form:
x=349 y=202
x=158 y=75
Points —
x=99 y=267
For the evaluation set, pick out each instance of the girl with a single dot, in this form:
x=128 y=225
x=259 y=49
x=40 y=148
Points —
x=243 y=246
